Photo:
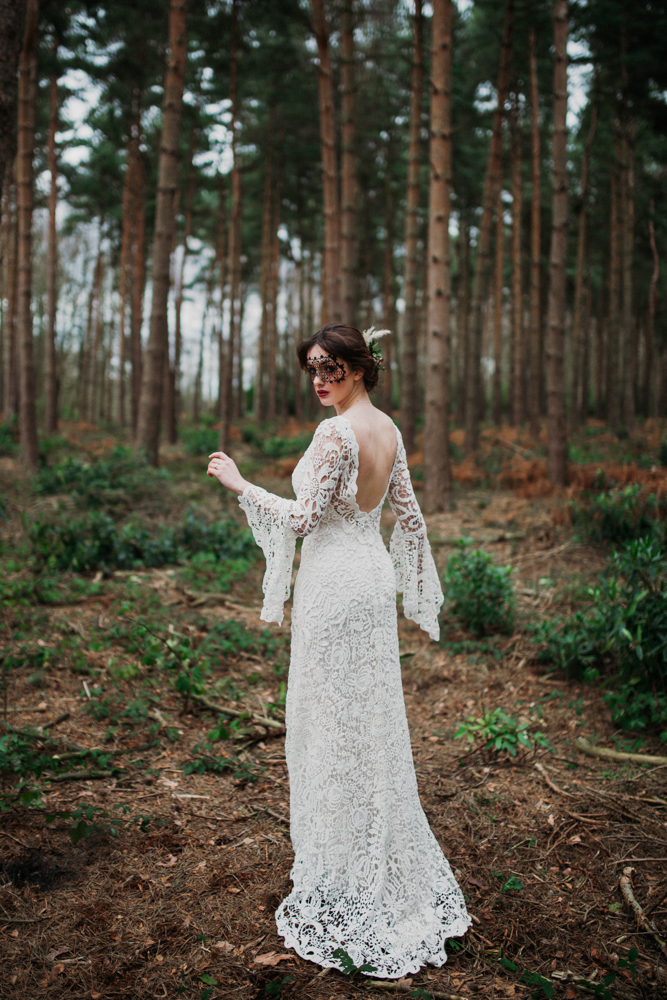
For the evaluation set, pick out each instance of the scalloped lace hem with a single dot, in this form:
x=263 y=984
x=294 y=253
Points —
x=393 y=966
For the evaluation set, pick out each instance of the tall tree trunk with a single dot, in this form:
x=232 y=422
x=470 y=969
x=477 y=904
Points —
x=388 y=301
x=535 y=325
x=226 y=394
x=298 y=336
x=221 y=264
x=651 y=404
x=474 y=387
x=348 y=187
x=331 y=304
x=628 y=233
x=519 y=366
x=239 y=306
x=599 y=358
x=272 y=345
x=613 y=393
x=27 y=90
x=175 y=374
x=96 y=372
x=138 y=268
x=579 y=392
x=462 y=308
x=50 y=372
x=265 y=268
x=10 y=337
x=498 y=310
x=148 y=429
x=437 y=473
x=408 y=373
x=127 y=262
x=586 y=351
x=556 y=429
x=12 y=25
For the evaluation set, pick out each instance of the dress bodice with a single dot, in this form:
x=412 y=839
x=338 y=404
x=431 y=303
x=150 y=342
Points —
x=326 y=509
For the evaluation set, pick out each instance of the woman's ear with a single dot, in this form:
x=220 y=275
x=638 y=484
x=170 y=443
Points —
x=357 y=374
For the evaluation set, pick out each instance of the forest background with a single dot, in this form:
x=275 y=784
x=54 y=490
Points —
x=197 y=186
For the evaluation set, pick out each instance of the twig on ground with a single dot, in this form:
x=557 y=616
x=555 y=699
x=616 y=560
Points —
x=554 y=787
x=399 y=987
x=3 y=833
x=542 y=554
x=258 y=720
x=656 y=903
x=83 y=775
x=606 y=754
x=55 y=722
x=625 y=884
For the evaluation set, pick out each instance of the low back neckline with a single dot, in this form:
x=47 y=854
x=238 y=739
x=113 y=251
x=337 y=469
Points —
x=355 y=484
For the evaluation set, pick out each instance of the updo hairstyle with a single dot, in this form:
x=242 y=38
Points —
x=345 y=343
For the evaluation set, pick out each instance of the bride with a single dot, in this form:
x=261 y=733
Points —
x=369 y=876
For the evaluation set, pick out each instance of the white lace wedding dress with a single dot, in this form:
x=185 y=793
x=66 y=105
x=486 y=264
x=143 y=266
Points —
x=369 y=876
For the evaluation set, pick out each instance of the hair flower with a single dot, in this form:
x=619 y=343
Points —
x=371 y=337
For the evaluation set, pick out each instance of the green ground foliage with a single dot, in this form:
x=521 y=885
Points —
x=619 y=637
x=478 y=592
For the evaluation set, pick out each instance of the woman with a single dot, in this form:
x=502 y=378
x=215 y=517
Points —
x=369 y=877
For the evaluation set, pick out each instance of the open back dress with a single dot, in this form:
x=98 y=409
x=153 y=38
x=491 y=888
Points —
x=369 y=876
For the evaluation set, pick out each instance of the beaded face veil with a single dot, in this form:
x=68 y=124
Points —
x=328 y=368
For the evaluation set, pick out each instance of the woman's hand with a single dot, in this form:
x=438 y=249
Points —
x=224 y=469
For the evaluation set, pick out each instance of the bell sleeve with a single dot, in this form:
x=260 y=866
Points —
x=276 y=522
x=416 y=575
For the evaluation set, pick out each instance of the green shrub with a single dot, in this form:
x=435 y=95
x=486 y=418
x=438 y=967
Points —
x=479 y=593
x=620 y=515
x=95 y=542
x=200 y=440
x=9 y=437
x=204 y=571
x=623 y=634
x=281 y=447
x=116 y=480
x=499 y=732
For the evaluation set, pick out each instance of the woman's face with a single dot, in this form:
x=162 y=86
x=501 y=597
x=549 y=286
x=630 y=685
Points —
x=332 y=378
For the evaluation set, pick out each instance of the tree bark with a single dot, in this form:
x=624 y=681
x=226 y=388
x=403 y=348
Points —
x=27 y=88
x=175 y=374
x=148 y=429
x=599 y=358
x=221 y=263
x=462 y=309
x=437 y=474
x=388 y=299
x=226 y=394
x=127 y=262
x=613 y=393
x=535 y=325
x=12 y=25
x=628 y=233
x=556 y=429
x=265 y=267
x=651 y=403
x=10 y=338
x=95 y=372
x=519 y=365
x=50 y=371
x=138 y=270
x=409 y=382
x=298 y=336
x=498 y=310
x=579 y=392
x=331 y=304
x=474 y=387
x=272 y=346
x=348 y=188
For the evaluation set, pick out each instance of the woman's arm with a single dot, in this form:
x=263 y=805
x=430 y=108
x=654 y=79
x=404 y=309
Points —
x=224 y=469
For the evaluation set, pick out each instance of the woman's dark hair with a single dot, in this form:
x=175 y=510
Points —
x=345 y=343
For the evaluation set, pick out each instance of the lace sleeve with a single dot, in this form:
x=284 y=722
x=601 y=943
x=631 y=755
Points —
x=276 y=522
x=416 y=575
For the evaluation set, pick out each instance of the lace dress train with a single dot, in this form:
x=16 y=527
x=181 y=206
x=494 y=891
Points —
x=369 y=876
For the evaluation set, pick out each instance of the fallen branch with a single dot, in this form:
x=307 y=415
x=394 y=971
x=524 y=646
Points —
x=259 y=720
x=606 y=754
x=625 y=884
x=543 y=554
x=656 y=903
x=399 y=987
x=84 y=775
x=55 y=722
x=38 y=734
x=554 y=788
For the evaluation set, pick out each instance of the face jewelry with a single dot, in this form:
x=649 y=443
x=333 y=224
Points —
x=326 y=367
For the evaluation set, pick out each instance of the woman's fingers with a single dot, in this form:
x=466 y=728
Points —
x=218 y=454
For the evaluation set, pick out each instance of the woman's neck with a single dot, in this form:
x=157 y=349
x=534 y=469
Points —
x=358 y=398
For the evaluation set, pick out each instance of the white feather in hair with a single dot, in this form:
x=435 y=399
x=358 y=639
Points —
x=372 y=334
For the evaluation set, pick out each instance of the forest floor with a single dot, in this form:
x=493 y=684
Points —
x=184 y=906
